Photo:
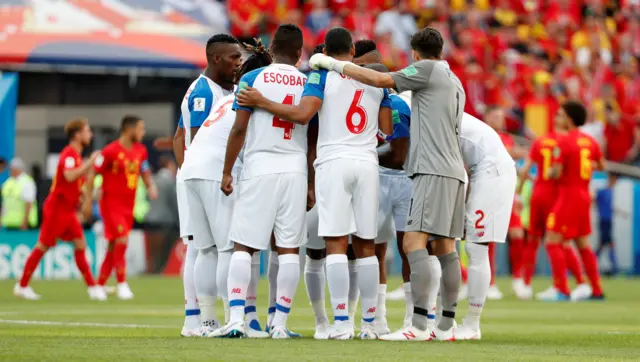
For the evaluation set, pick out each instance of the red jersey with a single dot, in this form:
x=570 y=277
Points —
x=577 y=152
x=63 y=192
x=542 y=154
x=120 y=169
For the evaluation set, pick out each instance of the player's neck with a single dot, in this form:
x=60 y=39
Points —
x=125 y=141
x=216 y=79
x=76 y=146
x=284 y=60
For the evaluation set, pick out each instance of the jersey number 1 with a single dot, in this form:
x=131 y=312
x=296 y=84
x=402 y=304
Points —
x=356 y=108
x=281 y=123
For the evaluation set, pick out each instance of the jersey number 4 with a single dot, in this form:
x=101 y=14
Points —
x=356 y=109
x=281 y=123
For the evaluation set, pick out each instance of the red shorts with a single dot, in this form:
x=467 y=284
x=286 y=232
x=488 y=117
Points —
x=59 y=223
x=541 y=205
x=571 y=215
x=117 y=222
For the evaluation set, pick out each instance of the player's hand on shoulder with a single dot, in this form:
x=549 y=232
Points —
x=227 y=184
x=321 y=61
x=249 y=97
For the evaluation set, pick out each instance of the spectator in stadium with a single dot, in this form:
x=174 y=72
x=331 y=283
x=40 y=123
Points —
x=319 y=17
x=622 y=137
x=19 y=208
x=161 y=222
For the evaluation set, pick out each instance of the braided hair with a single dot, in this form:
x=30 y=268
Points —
x=259 y=58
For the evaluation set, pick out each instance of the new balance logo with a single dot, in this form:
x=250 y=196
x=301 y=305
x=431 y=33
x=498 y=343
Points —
x=286 y=300
x=409 y=335
x=236 y=290
x=409 y=223
x=371 y=310
x=341 y=306
x=251 y=298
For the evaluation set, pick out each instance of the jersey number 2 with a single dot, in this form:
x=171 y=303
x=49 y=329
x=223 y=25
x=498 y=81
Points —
x=281 y=123
x=356 y=108
x=480 y=214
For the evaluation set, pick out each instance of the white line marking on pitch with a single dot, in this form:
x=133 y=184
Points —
x=83 y=324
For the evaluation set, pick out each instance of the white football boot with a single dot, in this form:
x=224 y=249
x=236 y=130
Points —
x=582 y=292
x=322 y=331
x=230 y=330
x=466 y=333
x=341 y=330
x=408 y=334
x=124 y=292
x=96 y=292
x=25 y=292
x=494 y=293
x=368 y=331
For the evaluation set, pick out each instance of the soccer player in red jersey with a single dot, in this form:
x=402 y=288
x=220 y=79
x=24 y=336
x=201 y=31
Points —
x=575 y=157
x=494 y=116
x=60 y=211
x=121 y=164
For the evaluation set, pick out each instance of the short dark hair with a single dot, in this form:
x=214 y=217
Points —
x=318 y=49
x=259 y=58
x=576 y=112
x=428 y=43
x=74 y=126
x=338 y=41
x=287 y=41
x=129 y=121
x=364 y=46
x=222 y=38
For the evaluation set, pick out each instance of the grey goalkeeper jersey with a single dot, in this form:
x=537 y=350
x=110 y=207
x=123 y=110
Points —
x=437 y=106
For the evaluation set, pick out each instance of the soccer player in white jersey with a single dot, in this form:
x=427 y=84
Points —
x=347 y=184
x=272 y=190
x=210 y=210
x=492 y=185
x=223 y=60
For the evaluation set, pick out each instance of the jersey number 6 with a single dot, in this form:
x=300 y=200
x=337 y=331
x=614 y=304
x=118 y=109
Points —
x=281 y=123
x=356 y=108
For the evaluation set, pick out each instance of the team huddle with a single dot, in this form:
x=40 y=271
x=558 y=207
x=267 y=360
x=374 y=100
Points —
x=340 y=162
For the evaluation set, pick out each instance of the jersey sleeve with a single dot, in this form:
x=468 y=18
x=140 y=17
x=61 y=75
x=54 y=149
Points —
x=200 y=103
x=103 y=160
x=247 y=80
x=386 y=101
x=144 y=165
x=414 y=77
x=314 y=87
x=401 y=117
x=68 y=161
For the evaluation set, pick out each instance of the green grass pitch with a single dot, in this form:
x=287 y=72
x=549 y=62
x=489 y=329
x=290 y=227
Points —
x=66 y=326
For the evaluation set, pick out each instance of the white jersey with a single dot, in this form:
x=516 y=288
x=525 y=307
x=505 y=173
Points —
x=205 y=158
x=274 y=145
x=348 y=117
x=482 y=148
x=196 y=105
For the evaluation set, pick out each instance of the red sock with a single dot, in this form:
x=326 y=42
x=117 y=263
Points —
x=492 y=262
x=573 y=264
x=515 y=254
x=120 y=262
x=463 y=272
x=83 y=267
x=106 y=268
x=590 y=262
x=558 y=268
x=529 y=256
x=31 y=265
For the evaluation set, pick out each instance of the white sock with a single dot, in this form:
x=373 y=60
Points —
x=224 y=258
x=338 y=281
x=408 y=300
x=381 y=306
x=315 y=281
x=252 y=293
x=239 y=279
x=205 y=282
x=434 y=286
x=272 y=274
x=479 y=272
x=191 y=308
x=288 y=279
x=354 y=291
x=368 y=276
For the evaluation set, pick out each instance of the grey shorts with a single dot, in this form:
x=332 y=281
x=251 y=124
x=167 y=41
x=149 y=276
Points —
x=437 y=206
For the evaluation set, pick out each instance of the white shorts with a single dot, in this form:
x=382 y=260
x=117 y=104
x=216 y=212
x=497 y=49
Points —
x=210 y=211
x=276 y=202
x=488 y=208
x=347 y=196
x=395 y=198
x=314 y=241
x=183 y=209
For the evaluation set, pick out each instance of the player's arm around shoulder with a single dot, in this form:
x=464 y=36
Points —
x=415 y=77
